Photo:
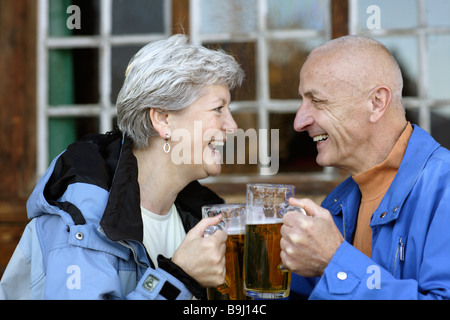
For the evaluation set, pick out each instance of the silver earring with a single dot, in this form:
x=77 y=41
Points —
x=166 y=146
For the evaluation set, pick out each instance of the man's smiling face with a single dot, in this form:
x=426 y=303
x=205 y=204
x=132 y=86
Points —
x=332 y=111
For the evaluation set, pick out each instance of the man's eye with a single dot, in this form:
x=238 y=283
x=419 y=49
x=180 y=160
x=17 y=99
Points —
x=219 y=109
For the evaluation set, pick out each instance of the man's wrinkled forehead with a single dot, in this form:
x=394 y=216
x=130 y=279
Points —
x=324 y=72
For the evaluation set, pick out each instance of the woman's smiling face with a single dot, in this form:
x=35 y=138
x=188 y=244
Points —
x=200 y=128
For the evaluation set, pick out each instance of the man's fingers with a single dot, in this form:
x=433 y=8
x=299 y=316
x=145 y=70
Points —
x=311 y=208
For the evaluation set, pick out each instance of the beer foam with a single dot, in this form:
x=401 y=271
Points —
x=256 y=216
x=264 y=221
x=236 y=230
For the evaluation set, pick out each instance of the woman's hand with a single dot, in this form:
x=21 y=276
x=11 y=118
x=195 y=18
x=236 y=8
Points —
x=203 y=258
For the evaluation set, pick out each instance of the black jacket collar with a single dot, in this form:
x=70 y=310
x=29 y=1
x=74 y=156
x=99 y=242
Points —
x=107 y=161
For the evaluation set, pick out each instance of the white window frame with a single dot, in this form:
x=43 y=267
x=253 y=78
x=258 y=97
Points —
x=263 y=105
x=422 y=102
x=105 y=109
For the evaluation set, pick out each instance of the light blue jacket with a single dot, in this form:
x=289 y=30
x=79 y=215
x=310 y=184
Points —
x=85 y=237
x=411 y=234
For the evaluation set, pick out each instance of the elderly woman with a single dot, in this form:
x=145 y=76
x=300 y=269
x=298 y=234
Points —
x=117 y=216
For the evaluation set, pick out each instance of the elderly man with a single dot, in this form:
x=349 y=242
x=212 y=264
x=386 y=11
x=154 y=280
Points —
x=383 y=232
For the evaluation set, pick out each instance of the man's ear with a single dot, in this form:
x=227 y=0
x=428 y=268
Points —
x=380 y=99
x=159 y=121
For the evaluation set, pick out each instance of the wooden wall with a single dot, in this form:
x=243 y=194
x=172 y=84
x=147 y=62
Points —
x=17 y=119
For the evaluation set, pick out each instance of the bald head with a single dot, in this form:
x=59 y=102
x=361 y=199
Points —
x=363 y=63
x=351 y=103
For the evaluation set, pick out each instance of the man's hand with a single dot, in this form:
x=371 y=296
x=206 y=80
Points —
x=203 y=258
x=308 y=241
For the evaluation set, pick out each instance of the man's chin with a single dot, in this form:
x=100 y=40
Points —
x=322 y=161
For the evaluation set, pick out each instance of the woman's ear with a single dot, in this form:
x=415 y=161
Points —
x=159 y=121
x=381 y=98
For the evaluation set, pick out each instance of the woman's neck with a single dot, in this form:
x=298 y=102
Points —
x=159 y=180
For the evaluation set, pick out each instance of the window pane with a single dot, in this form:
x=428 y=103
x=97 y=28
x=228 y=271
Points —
x=285 y=61
x=73 y=76
x=297 y=150
x=64 y=131
x=405 y=50
x=244 y=121
x=138 y=16
x=440 y=125
x=120 y=57
x=88 y=17
x=437 y=13
x=245 y=55
x=438 y=67
x=238 y=16
x=297 y=14
x=396 y=14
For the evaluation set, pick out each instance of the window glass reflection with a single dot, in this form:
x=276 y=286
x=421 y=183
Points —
x=437 y=13
x=237 y=16
x=438 y=67
x=406 y=51
x=73 y=76
x=120 y=58
x=398 y=14
x=137 y=16
x=89 y=14
x=297 y=14
x=285 y=61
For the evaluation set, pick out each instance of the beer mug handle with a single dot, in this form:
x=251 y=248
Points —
x=286 y=207
x=209 y=231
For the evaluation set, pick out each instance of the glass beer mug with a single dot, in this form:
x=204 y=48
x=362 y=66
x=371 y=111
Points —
x=264 y=275
x=233 y=224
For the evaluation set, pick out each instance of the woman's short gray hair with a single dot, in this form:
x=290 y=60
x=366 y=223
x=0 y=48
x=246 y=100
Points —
x=169 y=75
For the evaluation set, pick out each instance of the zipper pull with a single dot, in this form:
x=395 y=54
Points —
x=402 y=250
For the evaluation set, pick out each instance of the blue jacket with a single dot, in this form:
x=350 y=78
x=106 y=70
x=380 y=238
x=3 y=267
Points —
x=85 y=237
x=411 y=238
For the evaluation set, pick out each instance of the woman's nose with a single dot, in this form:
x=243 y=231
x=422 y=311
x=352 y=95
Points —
x=229 y=125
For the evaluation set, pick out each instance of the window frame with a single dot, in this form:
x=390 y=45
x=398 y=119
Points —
x=422 y=102
x=263 y=106
x=104 y=110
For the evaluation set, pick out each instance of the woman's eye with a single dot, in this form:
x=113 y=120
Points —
x=219 y=109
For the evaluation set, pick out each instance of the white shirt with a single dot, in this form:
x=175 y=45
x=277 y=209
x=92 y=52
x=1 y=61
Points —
x=163 y=234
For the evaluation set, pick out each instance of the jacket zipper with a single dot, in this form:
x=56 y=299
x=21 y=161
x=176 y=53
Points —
x=343 y=226
x=133 y=250
x=129 y=246
x=400 y=253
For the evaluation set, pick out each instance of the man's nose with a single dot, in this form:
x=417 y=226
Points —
x=303 y=119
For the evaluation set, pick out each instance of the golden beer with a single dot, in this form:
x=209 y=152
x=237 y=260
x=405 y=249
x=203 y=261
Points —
x=232 y=289
x=234 y=225
x=264 y=276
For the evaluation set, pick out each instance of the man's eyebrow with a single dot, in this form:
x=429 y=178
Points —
x=312 y=93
